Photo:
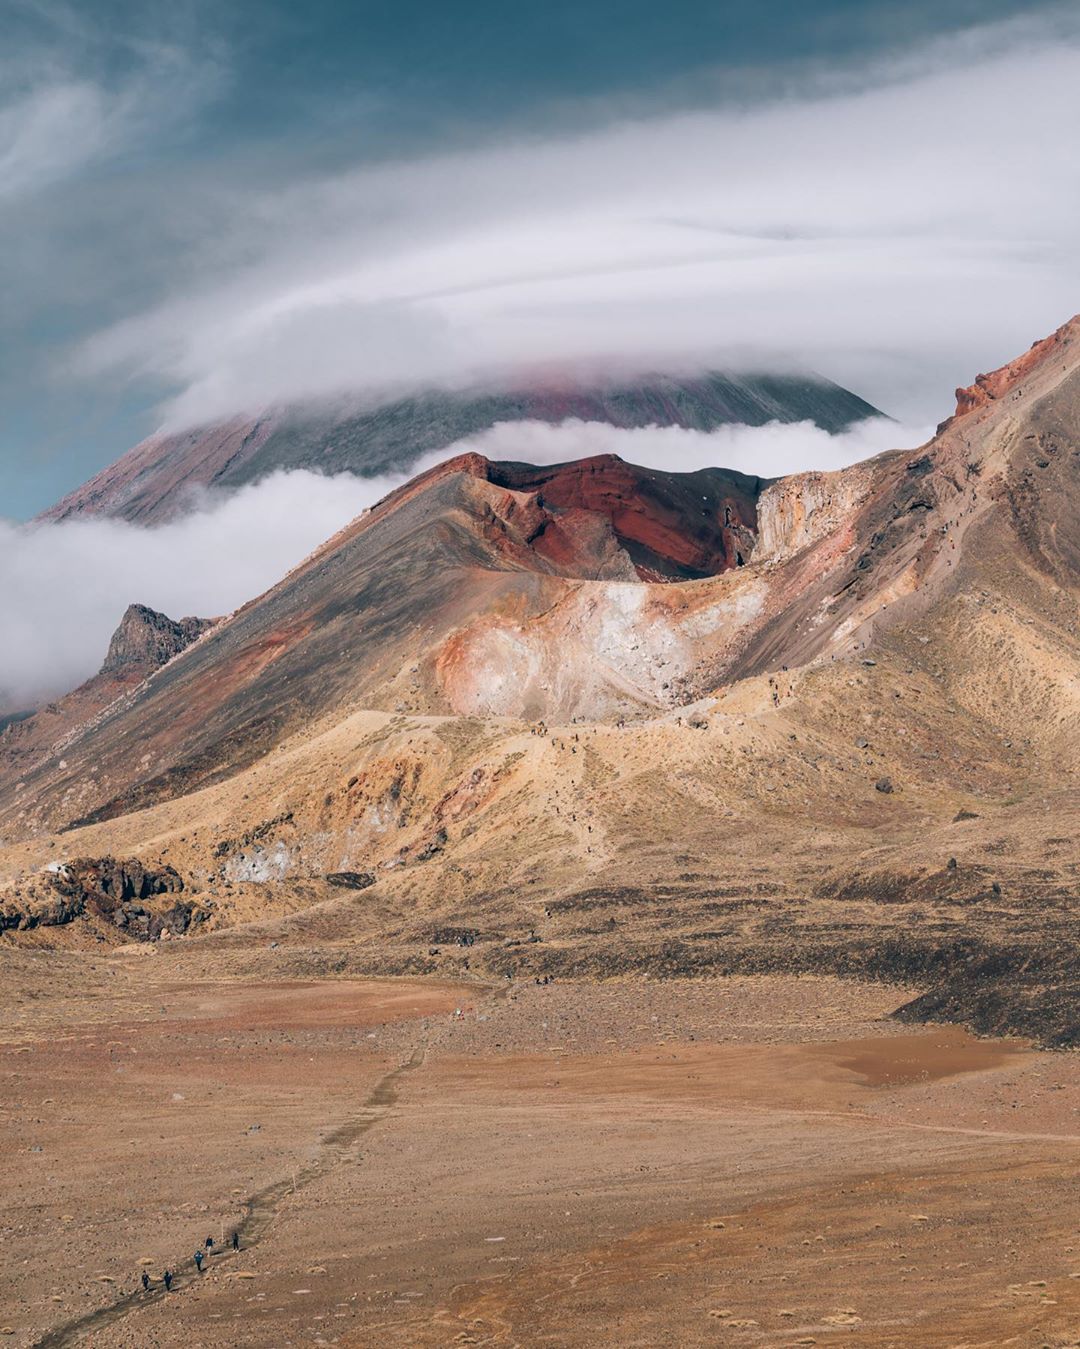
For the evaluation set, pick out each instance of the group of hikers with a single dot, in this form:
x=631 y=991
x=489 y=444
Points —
x=207 y=1249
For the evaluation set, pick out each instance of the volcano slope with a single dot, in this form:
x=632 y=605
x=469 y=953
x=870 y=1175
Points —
x=160 y=478
x=377 y=711
x=756 y=820
x=495 y=695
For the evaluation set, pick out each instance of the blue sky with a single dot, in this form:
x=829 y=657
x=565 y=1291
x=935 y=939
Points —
x=202 y=207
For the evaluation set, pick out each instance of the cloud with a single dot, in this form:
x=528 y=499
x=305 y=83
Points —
x=769 y=451
x=61 y=118
x=892 y=232
x=66 y=585
x=50 y=131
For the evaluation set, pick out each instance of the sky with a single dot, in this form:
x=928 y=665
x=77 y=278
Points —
x=207 y=208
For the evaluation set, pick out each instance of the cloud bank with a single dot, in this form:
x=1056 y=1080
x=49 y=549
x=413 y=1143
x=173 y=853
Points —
x=895 y=232
x=769 y=451
x=66 y=585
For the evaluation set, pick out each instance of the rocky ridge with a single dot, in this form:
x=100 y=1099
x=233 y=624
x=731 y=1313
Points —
x=142 y=643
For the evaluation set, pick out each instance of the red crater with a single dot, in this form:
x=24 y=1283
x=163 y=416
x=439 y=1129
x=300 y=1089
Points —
x=673 y=526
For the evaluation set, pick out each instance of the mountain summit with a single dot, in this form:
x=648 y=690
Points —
x=667 y=722
x=158 y=479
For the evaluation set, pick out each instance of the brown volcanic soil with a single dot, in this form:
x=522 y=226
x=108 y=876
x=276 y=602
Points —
x=742 y=1161
x=140 y=1112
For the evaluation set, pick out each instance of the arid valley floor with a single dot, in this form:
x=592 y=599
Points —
x=762 y=1160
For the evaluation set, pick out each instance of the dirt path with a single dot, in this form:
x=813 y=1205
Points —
x=261 y=1208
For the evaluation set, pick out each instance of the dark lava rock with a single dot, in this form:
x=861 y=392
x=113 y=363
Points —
x=883 y=785
x=434 y=845
x=117 y=879
x=110 y=889
x=148 y=639
x=351 y=880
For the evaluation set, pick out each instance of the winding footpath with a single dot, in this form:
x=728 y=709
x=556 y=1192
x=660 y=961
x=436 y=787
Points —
x=261 y=1208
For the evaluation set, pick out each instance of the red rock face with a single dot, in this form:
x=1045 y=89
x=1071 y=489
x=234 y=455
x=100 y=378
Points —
x=673 y=526
x=999 y=382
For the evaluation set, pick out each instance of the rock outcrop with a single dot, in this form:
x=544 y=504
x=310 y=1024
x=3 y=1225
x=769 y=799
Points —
x=797 y=511
x=989 y=387
x=146 y=639
x=122 y=892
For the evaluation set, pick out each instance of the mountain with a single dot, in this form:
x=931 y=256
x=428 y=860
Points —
x=155 y=481
x=340 y=630
x=599 y=718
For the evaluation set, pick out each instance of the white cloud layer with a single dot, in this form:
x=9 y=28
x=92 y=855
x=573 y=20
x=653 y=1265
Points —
x=764 y=451
x=897 y=235
x=66 y=585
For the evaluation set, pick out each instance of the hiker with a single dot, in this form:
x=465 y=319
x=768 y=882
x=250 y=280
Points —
x=145 y=1281
x=166 y=1279
x=198 y=1260
x=236 y=1241
x=209 y=1243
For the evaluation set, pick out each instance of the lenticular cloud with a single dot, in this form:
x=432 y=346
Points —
x=861 y=230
